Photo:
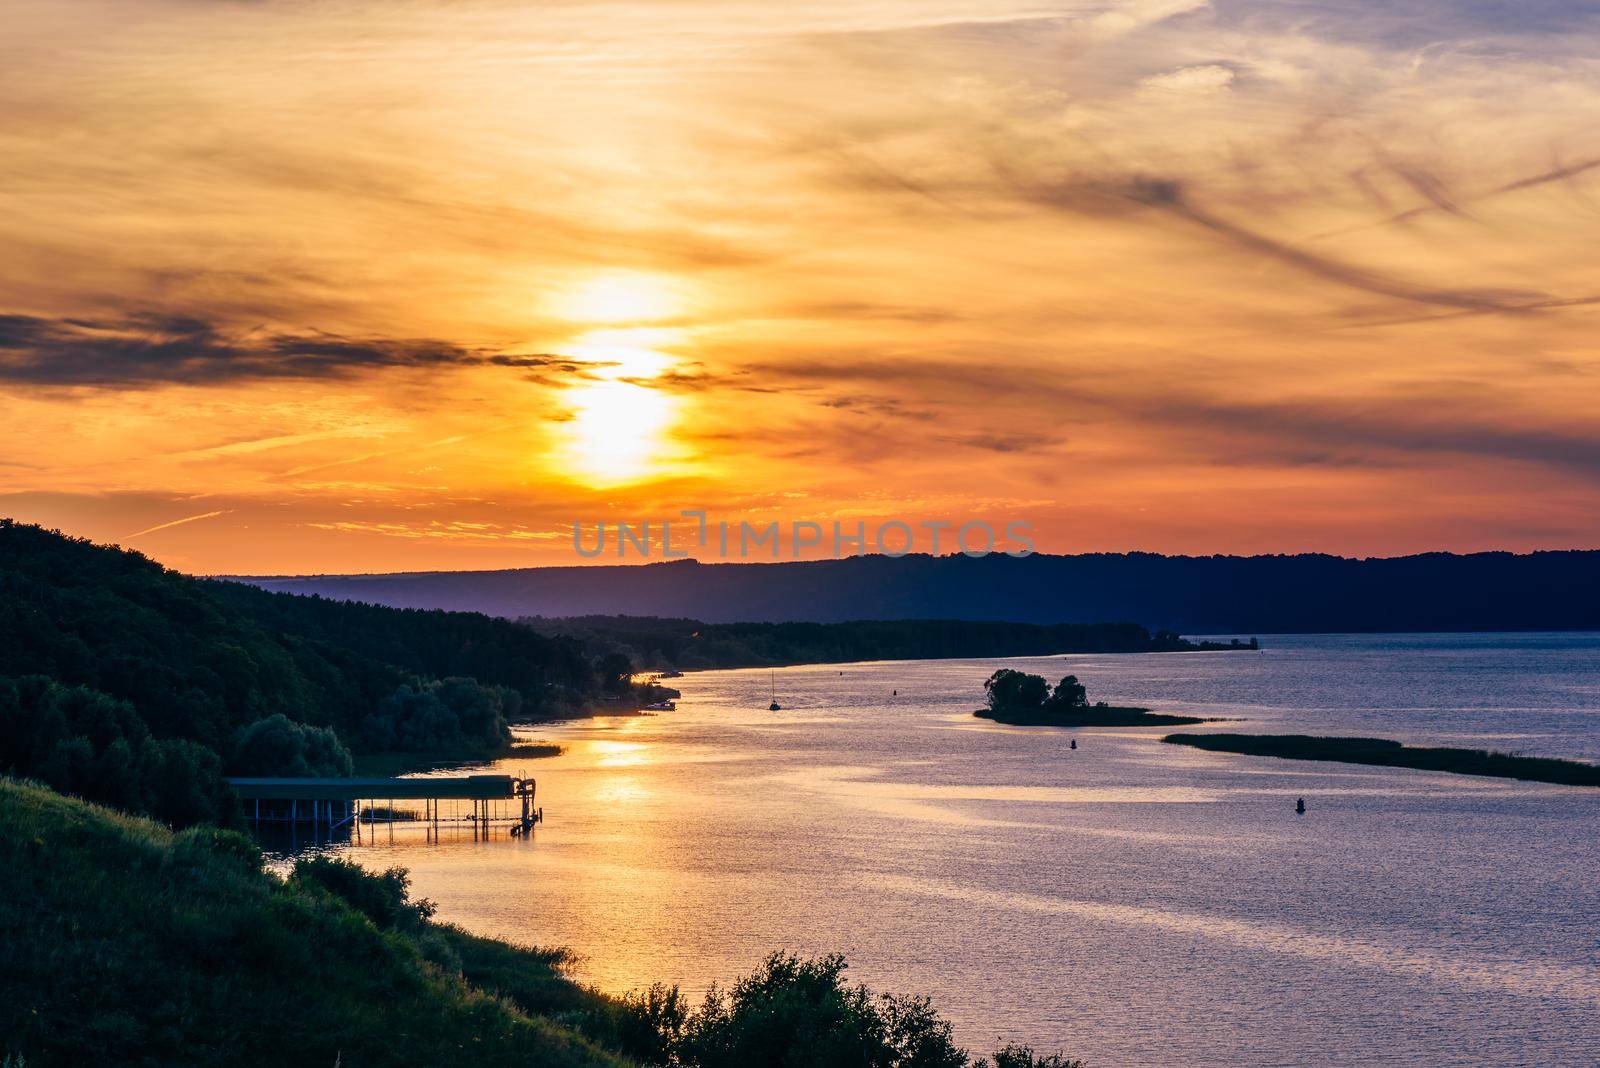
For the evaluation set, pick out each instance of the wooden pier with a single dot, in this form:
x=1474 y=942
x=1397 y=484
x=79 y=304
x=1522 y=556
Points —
x=330 y=805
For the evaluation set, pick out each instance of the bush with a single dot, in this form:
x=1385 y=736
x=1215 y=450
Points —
x=384 y=899
x=796 y=1014
x=199 y=846
x=1014 y=1056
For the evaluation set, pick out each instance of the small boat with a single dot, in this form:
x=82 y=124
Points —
x=774 y=706
x=661 y=706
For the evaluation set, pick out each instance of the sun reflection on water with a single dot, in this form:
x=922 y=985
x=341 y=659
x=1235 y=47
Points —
x=621 y=754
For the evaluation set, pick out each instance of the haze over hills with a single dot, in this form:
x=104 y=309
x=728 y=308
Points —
x=1213 y=594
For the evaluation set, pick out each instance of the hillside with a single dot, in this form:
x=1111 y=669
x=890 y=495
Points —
x=130 y=684
x=124 y=943
x=1190 y=595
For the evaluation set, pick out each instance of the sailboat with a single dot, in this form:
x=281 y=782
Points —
x=775 y=706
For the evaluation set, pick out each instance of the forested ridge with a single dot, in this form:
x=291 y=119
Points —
x=1271 y=594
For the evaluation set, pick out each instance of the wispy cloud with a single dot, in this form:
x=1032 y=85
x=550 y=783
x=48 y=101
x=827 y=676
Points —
x=173 y=523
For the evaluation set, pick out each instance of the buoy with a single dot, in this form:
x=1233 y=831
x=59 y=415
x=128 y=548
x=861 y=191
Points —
x=1300 y=806
x=1074 y=744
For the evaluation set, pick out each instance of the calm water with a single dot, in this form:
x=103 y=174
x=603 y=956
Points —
x=1129 y=902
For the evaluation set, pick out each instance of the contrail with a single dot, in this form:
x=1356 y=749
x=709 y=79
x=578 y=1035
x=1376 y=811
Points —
x=174 y=523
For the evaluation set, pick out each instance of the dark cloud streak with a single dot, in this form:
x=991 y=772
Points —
x=145 y=350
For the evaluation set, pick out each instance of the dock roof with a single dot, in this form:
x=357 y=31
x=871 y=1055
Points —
x=474 y=787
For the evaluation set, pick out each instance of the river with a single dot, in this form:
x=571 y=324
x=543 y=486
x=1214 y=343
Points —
x=1128 y=902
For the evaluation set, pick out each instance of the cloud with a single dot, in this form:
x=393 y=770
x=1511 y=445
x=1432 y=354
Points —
x=1413 y=425
x=147 y=349
x=1203 y=78
x=1169 y=196
x=174 y=523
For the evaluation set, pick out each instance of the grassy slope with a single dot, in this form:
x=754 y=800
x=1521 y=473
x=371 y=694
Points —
x=1383 y=752
x=121 y=942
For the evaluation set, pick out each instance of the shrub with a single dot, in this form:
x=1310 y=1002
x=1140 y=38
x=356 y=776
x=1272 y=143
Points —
x=801 y=1014
x=1014 y=1056
x=384 y=899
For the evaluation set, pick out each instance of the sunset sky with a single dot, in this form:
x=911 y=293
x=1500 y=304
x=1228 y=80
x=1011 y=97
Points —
x=292 y=286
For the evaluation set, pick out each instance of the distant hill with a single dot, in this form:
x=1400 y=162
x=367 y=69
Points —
x=1191 y=594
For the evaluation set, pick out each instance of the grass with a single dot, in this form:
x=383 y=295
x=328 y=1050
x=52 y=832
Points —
x=1088 y=716
x=1383 y=752
x=124 y=943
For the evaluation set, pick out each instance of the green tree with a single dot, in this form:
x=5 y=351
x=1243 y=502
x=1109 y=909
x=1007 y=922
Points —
x=277 y=745
x=1070 y=693
x=614 y=669
x=1009 y=690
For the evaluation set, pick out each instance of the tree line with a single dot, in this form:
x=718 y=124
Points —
x=664 y=644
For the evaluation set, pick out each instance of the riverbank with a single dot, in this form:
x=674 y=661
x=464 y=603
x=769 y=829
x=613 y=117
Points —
x=1383 y=752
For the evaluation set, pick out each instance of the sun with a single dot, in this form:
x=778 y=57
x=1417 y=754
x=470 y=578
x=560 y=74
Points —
x=620 y=419
x=620 y=297
x=617 y=432
x=621 y=413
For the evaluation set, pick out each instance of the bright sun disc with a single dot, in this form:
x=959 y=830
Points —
x=619 y=298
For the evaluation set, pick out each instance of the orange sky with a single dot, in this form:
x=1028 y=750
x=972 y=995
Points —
x=296 y=287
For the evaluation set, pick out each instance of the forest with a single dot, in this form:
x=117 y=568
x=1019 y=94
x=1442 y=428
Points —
x=127 y=683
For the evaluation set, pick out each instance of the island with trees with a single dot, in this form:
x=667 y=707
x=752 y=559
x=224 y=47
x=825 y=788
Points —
x=1385 y=752
x=1021 y=699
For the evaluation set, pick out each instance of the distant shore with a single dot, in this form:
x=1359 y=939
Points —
x=1383 y=752
x=663 y=646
